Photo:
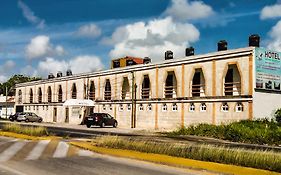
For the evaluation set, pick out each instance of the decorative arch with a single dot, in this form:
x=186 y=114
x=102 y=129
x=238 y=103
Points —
x=170 y=90
x=20 y=96
x=92 y=94
x=30 y=96
x=74 y=91
x=107 y=90
x=49 y=93
x=40 y=95
x=60 y=94
x=232 y=80
x=125 y=89
x=145 y=87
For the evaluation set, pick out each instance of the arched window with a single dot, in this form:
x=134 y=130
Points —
x=31 y=96
x=141 y=107
x=107 y=90
x=198 y=83
x=203 y=107
x=164 y=107
x=239 y=107
x=192 y=107
x=40 y=95
x=49 y=92
x=170 y=90
x=60 y=94
x=92 y=94
x=232 y=81
x=125 y=89
x=174 y=107
x=145 y=88
x=129 y=107
x=20 y=96
x=120 y=107
x=149 y=107
x=224 y=107
x=74 y=91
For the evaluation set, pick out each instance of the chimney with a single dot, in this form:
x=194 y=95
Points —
x=168 y=55
x=189 y=51
x=68 y=72
x=254 y=40
x=59 y=74
x=146 y=60
x=222 y=45
x=51 y=76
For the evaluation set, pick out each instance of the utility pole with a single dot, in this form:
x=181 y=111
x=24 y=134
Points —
x=6 y=101
x=133 y=99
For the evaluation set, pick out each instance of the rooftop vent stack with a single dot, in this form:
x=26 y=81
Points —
x=254 y=40
x=51 y=76
x=222 y=45
x=68 y=72
x=59 y=74
x=189 y=51
x=168 y=55
x=116 y=63
x=146 y=60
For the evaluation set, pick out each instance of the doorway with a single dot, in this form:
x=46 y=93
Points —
x=66 y=115
x=55 y=115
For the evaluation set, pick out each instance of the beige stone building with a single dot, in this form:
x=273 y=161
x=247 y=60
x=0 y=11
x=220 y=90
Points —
x=215 y=88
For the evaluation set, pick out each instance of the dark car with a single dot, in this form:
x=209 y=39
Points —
x=100 y=119
x=14 y=116
x=29 y=117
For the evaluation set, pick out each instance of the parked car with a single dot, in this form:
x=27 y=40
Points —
x=29 y=117
x=100 y=119
x=14 y=117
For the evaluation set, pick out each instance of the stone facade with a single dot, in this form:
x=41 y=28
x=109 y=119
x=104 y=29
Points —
x=211 y=88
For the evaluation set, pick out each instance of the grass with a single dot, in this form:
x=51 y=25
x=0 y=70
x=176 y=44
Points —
x=257 y=132
x=27 y=130
x=267 y=160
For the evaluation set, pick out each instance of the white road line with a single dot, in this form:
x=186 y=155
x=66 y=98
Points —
x=85 y=153
x=11 y=151
x=38 y=150
x=61 y=150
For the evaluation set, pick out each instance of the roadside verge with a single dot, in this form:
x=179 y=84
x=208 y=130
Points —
x=174 y=161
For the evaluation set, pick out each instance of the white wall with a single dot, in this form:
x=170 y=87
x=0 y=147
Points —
x=265 y=104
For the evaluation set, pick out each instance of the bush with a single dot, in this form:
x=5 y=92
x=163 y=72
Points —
x=258 y=132
x=277 y=115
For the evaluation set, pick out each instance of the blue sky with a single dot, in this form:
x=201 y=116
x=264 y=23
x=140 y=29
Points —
x=42 y=36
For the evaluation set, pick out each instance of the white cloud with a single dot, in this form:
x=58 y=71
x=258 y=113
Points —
x=90 y=30
x=3 y=78
x=40 y=46
x=152 y=38
x=185 y=10
x=271 y=11
x=5 y=69
x=29 y=15
x=79 y=64
x=275 y=37
x=85 y=63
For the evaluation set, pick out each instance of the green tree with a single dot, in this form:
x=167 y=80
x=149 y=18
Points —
x=10 y=84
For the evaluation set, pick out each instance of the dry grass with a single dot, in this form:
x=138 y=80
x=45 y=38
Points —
x=267 y=160
x=27 y=130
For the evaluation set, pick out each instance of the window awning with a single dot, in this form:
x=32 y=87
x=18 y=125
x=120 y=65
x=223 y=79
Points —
x=78 y=102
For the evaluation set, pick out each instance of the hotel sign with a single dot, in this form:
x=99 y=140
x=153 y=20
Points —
x=268 y=69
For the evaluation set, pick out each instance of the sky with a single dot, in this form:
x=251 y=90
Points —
x=46 y=36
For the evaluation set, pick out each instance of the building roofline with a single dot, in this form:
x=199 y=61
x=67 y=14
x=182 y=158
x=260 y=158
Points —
x=164 y=63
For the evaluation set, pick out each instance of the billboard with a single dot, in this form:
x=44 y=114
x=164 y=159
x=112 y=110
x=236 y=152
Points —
x=268 y=69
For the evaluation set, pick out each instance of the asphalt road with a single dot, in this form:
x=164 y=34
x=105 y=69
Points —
x=19 y=157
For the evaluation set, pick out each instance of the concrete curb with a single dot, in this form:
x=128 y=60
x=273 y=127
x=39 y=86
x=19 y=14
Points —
x=175 y=161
